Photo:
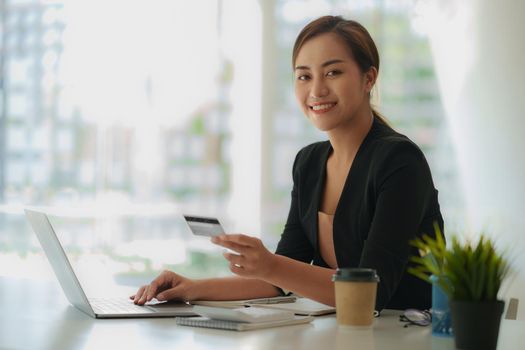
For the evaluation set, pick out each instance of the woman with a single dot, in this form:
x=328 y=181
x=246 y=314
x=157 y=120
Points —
x=357 y=199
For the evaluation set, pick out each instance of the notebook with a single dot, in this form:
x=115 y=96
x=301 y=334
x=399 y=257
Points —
x=247 y=302
x=238 y=326
x=252 y=314
x=303 y=306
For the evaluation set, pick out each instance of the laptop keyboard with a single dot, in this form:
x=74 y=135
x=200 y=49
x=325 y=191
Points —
x=117 y=306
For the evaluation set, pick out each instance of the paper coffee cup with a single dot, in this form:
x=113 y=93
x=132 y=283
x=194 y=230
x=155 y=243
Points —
x=355 y=296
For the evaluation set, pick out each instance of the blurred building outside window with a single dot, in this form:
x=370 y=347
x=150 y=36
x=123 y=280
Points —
x=124 y=118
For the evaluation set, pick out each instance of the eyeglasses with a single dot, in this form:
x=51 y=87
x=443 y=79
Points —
x=416 y=317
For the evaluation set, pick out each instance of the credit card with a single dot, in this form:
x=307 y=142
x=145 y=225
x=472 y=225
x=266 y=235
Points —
x=204 y=226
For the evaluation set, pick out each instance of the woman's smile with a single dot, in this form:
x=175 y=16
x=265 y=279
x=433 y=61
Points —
x=322 y=107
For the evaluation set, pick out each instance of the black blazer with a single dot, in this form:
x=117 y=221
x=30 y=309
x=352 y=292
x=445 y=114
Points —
x=388 y=199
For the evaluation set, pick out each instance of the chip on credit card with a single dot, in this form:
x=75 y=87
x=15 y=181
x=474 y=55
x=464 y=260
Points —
x=204 y=226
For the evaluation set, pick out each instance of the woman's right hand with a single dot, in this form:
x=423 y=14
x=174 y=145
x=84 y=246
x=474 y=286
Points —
x=168 y=285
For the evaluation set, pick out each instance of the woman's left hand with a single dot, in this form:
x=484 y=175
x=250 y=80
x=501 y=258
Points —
x=253 y=260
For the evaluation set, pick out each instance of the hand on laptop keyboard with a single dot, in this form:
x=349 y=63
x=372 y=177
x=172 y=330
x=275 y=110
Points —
x=167 y=286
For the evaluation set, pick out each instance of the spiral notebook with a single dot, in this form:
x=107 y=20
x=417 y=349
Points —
x=238 y=326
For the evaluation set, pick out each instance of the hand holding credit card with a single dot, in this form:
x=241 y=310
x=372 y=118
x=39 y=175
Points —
x=204 y=226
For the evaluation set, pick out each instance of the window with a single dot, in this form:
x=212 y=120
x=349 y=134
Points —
x=123 y=119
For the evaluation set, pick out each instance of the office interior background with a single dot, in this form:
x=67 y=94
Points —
x=119 y=116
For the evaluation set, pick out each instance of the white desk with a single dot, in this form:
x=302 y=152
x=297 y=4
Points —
x=36 y=315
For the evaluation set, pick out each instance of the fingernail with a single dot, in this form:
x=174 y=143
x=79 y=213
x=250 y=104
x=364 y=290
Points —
x=160 y=297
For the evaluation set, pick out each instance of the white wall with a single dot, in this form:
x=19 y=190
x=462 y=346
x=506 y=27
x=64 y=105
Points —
x=479 y=52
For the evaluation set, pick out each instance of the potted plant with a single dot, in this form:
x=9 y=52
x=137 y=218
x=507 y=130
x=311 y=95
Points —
x=471 y=275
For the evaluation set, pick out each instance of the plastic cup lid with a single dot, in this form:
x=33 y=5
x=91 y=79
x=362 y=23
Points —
x=356 y=275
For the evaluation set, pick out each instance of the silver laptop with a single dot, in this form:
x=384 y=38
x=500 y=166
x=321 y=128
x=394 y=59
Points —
x=99 y=307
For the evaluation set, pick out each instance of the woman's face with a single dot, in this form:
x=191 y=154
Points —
x=329 y=85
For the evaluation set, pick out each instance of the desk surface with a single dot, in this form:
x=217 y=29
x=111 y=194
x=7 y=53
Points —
x=36 y=315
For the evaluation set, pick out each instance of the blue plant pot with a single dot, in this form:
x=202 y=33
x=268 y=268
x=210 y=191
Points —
x=441 y=317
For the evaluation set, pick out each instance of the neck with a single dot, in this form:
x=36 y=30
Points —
x=347 y=138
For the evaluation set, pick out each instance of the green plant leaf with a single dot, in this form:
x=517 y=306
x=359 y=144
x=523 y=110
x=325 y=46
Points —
x=465 y=271
x=439 y=237
x=419 y=274
x=492 y=277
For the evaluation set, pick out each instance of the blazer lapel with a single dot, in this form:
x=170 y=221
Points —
x=317 y=182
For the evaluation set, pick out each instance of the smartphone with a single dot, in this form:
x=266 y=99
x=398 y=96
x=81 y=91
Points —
x=204 y=226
